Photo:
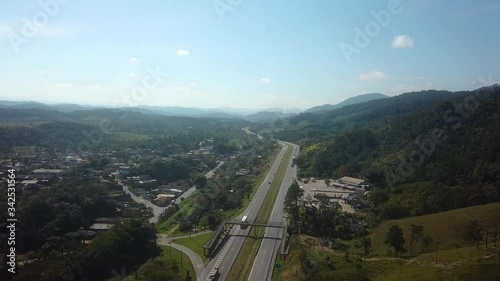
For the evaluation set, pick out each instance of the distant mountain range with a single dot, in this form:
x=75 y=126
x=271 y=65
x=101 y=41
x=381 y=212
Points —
x=223 y=112
x=349 y=101
x=254 y=115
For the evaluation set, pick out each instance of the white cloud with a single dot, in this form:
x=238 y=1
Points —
x=132 y=75
x=133 y=60
x=194 y=85
x=63 y=85
x=179 y=89
x=265 y=80
x=183 y=52
x=93 y=86
x=372 y=75
x=402 y=41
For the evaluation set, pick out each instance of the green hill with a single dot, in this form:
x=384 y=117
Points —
x=448 y=228
x=457 y=258
x=354 y=100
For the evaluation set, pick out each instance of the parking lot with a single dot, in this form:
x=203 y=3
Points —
x=319 y=186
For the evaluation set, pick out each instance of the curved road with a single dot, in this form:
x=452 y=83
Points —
x=195 y=259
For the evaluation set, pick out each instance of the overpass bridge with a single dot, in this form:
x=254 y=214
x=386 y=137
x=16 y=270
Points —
x=220 y=236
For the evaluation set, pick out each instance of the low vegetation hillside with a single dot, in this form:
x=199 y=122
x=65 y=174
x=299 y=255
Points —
x=457 y=258
x=452 y=229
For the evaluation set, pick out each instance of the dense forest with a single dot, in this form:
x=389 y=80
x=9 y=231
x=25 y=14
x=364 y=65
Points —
x=425 y=152
x=309 y=126
x=50 y=232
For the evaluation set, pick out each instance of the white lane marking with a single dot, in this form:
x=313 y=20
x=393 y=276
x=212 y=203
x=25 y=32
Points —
x=217 y=264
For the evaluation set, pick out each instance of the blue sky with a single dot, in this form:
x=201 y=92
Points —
x=242 y=53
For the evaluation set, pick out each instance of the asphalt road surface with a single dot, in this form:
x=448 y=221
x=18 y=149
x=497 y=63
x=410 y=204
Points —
x=263 y=265
x=193 y=256
x=227 y=255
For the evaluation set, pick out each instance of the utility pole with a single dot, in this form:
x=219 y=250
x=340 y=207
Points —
x=437 y=250
x=487 y=233
x=496 y=233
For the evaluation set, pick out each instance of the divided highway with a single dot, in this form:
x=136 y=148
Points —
x=264 y=260
x=229 y=252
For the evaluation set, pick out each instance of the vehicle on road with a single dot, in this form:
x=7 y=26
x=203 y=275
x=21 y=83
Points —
x=213 y=275
x=244 y=221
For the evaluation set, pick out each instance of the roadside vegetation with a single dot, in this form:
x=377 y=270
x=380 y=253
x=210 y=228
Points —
x=196 y=243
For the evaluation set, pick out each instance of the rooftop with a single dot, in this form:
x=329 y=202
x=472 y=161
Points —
x=101 y=226
x=47 y=171
x=352 y=181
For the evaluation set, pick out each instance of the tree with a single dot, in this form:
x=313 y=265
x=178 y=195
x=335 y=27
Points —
x=367 y=244
x=169 y=211
x=103 y=163
x=416 y=234
x=473 y=232
x=200 y=182
x=395 y=239
x=159 y=270
x=291 y=204
x=427 y=242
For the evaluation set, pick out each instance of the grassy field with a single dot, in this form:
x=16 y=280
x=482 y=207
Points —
x=242 y=266
x=456 y=264
x=24 y=149
x=169 y=253
x=172 y=253
x=195 y=243
x=448 y=228
x=184 y=207
x=456 y=259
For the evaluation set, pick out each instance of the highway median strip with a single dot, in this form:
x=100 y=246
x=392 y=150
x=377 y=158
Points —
x=243 y=265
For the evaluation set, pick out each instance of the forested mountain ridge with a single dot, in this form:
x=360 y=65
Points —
x=367 y=114
x=349 y=101
x=443 y=157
